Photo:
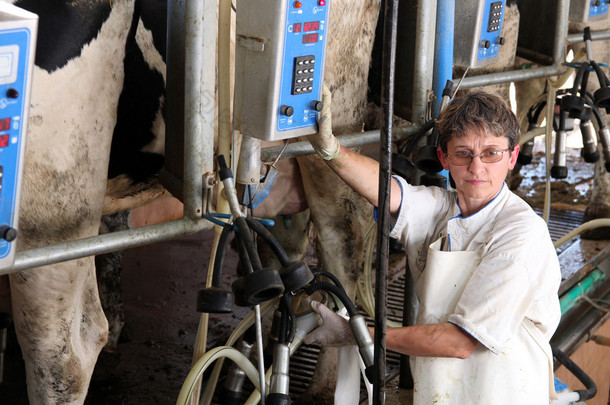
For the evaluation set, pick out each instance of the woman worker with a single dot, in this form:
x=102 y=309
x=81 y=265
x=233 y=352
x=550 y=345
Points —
x=485 y=268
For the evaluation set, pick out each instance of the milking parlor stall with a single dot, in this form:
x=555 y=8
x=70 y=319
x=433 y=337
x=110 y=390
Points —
x=169 y=142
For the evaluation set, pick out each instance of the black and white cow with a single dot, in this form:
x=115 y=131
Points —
x=97 y=74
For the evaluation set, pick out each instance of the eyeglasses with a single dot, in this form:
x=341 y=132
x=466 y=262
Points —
x=464 y=157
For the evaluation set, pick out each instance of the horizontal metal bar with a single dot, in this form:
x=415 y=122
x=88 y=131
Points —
x=510 y=76
x=595 y=36
x=354 y=140
x=348 y=140
x=105 y=243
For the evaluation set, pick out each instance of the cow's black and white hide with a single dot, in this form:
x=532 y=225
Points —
x=84 y=54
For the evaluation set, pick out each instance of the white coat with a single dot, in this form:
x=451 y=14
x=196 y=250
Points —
x=506 y=298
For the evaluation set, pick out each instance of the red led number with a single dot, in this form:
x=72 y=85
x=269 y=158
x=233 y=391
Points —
x=3 y=141
x=310 y=38
x=296 y=28
x=311 y=26
x=5 y=124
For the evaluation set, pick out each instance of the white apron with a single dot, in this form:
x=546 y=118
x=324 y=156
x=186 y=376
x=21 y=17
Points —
x=520 y=374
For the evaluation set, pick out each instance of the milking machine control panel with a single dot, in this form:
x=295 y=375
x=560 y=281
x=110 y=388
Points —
x=18 y=30
x=588 y=10
x=478 y=29
x=279 y=65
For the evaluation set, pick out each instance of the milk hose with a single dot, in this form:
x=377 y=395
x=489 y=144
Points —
x=208 y=358
x=305 y=324
x=357 y=324
x=590 y=387
x=246 y=323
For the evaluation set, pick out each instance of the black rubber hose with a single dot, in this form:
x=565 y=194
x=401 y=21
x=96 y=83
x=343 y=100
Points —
x=601 y=77
x=591 y=388
x=273 y=243
x=598 y=116
x=330 y=276
x=244 y=232
x=221 y=250
x=340 y=293
x=534 y=112
x=579 y=77
x=282 y=333
x=414 y=140
x=246 y=266
x=585 y=81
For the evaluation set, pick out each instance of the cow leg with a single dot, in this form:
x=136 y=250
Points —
x=108 y=270
x=59 y=349
x=339 y=216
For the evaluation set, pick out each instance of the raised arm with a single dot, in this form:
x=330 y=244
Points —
x=360 y=172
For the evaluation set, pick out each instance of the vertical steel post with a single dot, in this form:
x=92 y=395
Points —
x=200 y=30
x=385 y=173
x=424 y=47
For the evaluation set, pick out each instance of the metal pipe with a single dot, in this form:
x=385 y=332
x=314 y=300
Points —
x=388 y=74
x=423 y=59
x=561 y=32
x=595 y=36
x=199 y=82
x=303 y=148
x=249 y=166
x=511 y=76
x=583 y=287
x=105 y=243
x=582 y=329
x=443 y=50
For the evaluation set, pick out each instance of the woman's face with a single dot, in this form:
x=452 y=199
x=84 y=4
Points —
x=478 y=183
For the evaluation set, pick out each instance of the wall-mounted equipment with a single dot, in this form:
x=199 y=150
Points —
x=478 y=28
x=279 y=66
x=18 y=29
x=588 y=10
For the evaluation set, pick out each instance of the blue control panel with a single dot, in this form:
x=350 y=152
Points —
x=489 y=44
x=588 y=10
x=598 y=9
x=303 y=62
x=17 y=39
x=477 y=32
x=279 y=66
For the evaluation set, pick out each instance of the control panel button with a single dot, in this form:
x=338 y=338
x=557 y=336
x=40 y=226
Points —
x=287 y=110
x=12 y=93
x=316 y=105
x=485 y=44
x=7 y=233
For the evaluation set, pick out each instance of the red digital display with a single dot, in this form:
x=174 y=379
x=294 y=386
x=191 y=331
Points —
x=296 y=28
x=3 y=141
x=311 y=26
x=310 y=38
x=5 y=124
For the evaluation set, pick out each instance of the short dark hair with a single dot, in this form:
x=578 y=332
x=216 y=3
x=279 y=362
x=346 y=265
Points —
x=479 y=112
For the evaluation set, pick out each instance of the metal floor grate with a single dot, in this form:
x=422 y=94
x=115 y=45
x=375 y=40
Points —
x=303 y=362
